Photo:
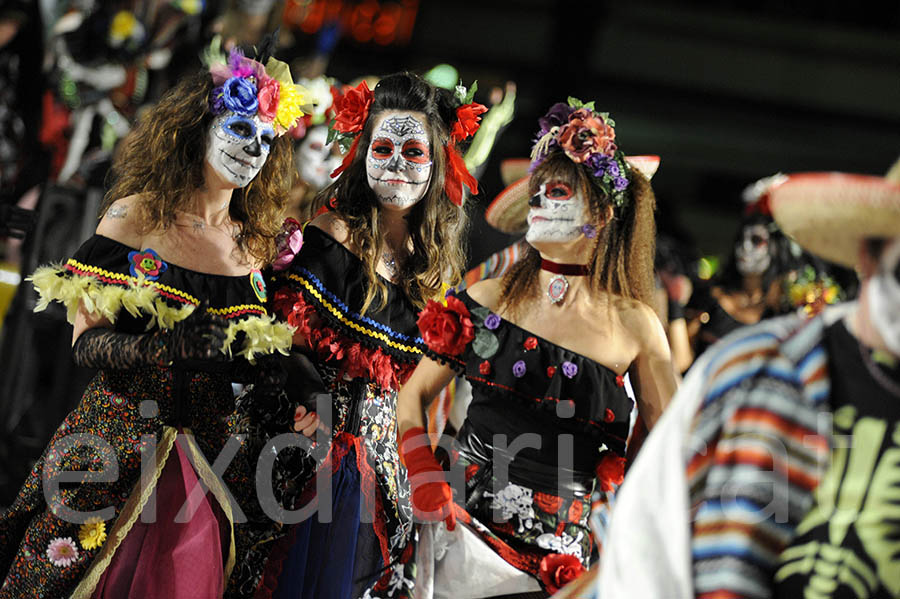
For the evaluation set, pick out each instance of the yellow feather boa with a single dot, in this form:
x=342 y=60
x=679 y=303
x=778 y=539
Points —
x=264 y=334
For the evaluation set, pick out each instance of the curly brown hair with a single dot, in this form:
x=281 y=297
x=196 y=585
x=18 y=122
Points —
x=621 y=259
x=436 y=226
x=162 y=159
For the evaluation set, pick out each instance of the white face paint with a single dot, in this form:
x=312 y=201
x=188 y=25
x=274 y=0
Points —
x=884 y=297
x=398 y=160
x=752 y=252
x=237 y=146
x=314 y=159
x=556 y=214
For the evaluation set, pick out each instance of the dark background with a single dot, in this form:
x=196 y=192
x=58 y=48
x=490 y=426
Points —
x=724 y=92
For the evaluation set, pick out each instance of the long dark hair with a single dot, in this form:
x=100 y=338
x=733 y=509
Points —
x=436 y=225
x=621 y=259
x=782 y=260
x=162 y=159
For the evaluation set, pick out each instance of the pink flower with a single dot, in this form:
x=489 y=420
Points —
x=62 y=552
x=586 y=134
x=292 y=245
x=267 y=95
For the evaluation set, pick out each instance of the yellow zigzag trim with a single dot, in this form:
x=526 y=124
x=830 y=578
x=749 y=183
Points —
x=353 y=325
x=264 y=335
x=130 y=279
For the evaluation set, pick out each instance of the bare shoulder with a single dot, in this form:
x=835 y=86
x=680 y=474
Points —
x=122 y=221
x=335 y=226
x=487 y=292
x=640 y=320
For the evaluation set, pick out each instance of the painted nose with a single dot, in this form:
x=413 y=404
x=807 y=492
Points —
x=393 y=164
x=535 y=201
x=254 y=148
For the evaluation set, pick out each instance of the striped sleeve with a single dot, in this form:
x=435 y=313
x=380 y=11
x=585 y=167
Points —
x=753 y=460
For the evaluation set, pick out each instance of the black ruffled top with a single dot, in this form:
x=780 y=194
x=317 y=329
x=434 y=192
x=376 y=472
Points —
x=533 y=385
x=139 y=289
x=327 y=280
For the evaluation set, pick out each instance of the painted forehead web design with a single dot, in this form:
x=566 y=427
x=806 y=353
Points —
x=401 y=126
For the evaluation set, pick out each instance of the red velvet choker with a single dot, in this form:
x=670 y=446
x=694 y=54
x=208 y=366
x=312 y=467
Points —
x=572 y=270
x=556 y=289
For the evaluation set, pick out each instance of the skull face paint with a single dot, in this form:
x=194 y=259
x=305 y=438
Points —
x=237 y=146
x=883 y=297
x=314 y=158
x=398 y=160
x=557 y=214
x=752 y=252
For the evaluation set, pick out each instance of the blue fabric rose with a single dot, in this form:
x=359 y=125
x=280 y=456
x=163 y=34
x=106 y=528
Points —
x=239 y=96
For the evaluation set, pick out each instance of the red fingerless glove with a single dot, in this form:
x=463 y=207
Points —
x=431 y=501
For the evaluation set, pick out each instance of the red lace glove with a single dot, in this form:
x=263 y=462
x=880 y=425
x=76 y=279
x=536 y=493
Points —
x=431 y=501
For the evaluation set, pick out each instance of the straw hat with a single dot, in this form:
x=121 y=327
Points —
x=829 y=213
x=509 y=210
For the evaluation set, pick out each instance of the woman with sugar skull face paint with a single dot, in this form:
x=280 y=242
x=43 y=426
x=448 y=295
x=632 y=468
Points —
x=169 y=304
x=547 y=349
x=392 y=239
x=749 y=286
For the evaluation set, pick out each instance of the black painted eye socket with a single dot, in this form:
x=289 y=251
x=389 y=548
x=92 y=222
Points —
x=242 y=129
x=758 y=240
x=267 y=139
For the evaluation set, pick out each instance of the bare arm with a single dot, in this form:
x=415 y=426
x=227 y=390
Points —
x=653 y=376
x=426 y=382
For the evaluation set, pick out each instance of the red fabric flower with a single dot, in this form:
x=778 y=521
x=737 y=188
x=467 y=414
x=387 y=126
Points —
x=352 y=109
x=457 y=176
x=446 y=329
x=558 y=570
x=551 y=370
x=268 y=100
x=575 y=511
x=484 y=368
x=548 y=503
x=610 y=471
x=531 y=343
x=586 y=134
x=609 y=415
x=620 y=380
x=467 y=121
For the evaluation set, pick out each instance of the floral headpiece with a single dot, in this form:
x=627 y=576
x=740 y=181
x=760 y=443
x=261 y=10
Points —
x=247 y=87
x=588 y=138
x=352 y=112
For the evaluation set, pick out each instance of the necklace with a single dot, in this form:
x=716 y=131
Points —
x=387 y=258
x=559 y=284
x=875 y=371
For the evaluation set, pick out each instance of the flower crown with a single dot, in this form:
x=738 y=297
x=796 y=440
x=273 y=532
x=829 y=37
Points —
x=587 y=137
x=247 y=87
x=352 y=111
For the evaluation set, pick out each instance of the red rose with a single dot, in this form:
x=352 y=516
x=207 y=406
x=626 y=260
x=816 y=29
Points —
x=575 y=511
x=586 y=134
x=484 y=368
x=467 y=121
x=620 y=380
x=531 y=343
x=610 y=471
x=268 y=95
x=551 y=370
x=352 y=109
x=446 y=329
x=546 y=502
x=609 y=415
x=558 y=570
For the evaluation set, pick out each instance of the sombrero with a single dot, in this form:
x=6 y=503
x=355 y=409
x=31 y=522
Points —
x=829 y=213
x=509 y=210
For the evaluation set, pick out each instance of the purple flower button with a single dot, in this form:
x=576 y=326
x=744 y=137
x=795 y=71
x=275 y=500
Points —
x=492 y=321
x=519 y=369
x=569 y=369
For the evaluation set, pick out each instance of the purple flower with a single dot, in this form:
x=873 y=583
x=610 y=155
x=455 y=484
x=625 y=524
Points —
x=217 y=100
x=492 y=321
x=599 y=164
x=613 y=168
x=240 y=96
x=556 y=116
x=519 y=369
x=620 y=183
x=569 y=369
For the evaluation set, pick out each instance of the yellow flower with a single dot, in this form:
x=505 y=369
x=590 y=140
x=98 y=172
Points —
x=122 y=26
x=290 y=100
x=92 y=533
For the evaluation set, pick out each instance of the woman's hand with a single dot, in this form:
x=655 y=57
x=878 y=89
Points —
x=305 y=422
